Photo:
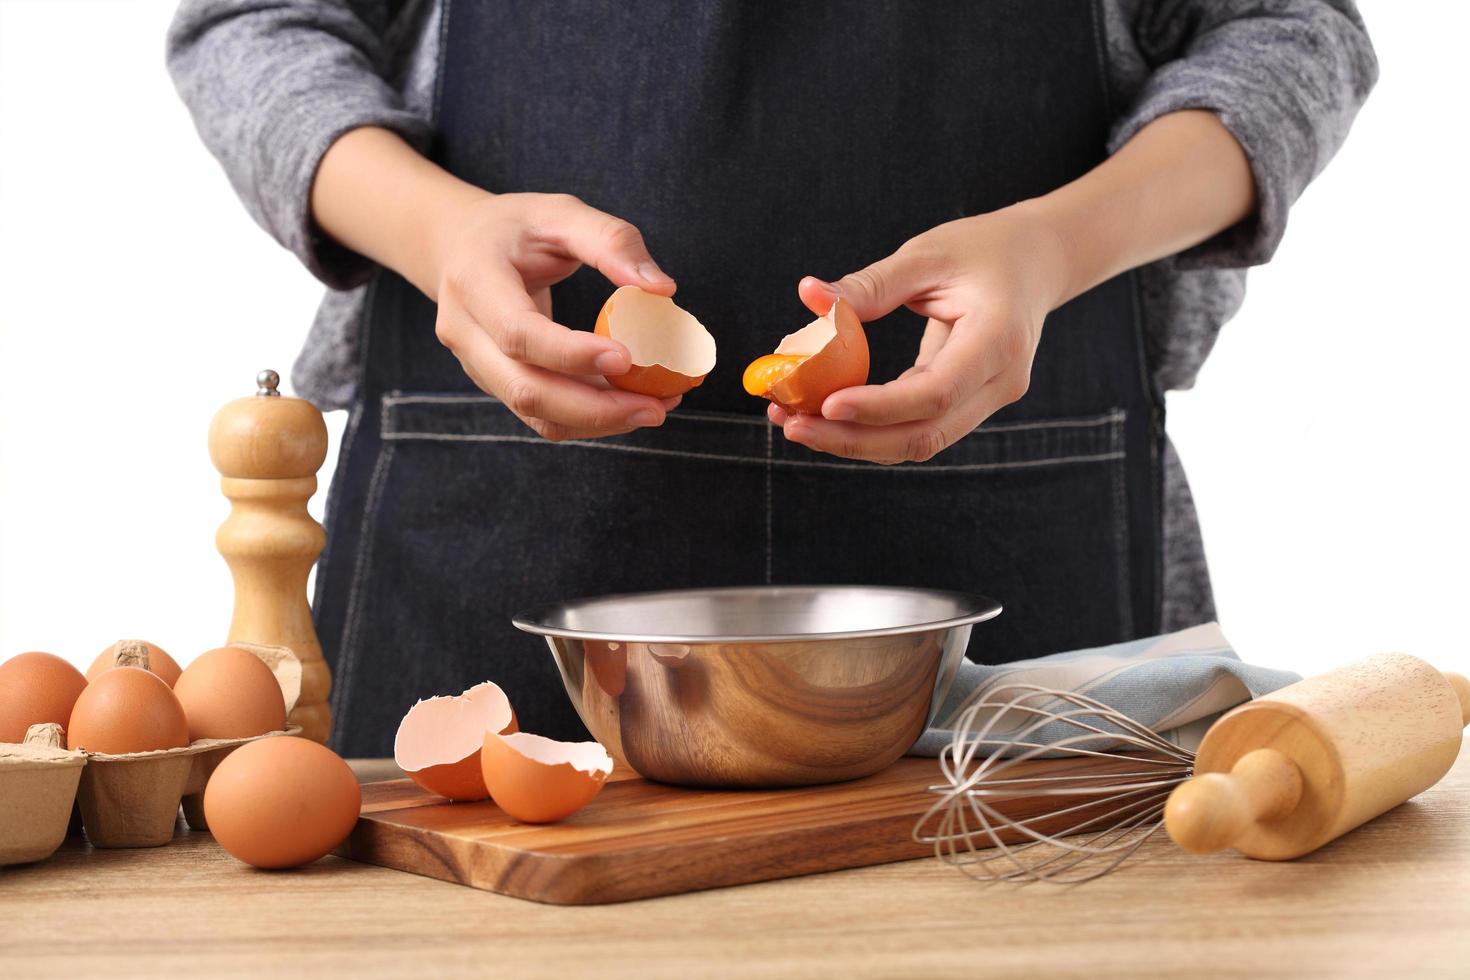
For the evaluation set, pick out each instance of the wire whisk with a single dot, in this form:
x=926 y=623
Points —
x=1013 y=809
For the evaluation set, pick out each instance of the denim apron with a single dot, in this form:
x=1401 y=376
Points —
x=751 y=144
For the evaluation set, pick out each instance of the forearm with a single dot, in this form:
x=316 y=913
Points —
x=270 y=84
x=379 y=197
x=1179 y=181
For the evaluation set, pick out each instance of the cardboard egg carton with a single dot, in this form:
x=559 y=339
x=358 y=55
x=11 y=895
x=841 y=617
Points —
x=38 y=783
x=128 y=800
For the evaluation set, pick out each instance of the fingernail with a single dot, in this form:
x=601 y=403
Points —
x=839 y=412
x=649 y=272
x=611 y=362
x=644 y=417
x=827 y=286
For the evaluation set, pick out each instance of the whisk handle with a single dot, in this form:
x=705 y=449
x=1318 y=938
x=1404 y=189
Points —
x=1212 y=811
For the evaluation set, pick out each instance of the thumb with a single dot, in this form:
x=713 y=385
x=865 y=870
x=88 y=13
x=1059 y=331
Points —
x=873 y=292
x=616 y=249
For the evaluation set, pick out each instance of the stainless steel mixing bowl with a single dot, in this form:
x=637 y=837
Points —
x=762 y=686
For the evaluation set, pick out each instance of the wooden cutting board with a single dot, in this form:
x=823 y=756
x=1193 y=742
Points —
x=640 y=839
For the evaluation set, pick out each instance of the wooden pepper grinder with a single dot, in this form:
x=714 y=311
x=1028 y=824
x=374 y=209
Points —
x=268 y=450
x=1284 y=774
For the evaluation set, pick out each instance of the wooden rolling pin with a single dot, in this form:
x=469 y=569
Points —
x=268 y=450
x=1284 y=774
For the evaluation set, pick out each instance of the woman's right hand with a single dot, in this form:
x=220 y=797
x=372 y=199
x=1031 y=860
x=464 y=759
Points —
x=496 y=259
x=490 y=261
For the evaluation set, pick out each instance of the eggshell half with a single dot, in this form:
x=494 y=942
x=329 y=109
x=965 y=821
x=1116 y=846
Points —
x=835 y=349
x=36 y=689
x=159 y=662
x=672 y=352
x=439 y=740
x=127 y=709
x=230 y=693
x=281 y=802
x=538 y=780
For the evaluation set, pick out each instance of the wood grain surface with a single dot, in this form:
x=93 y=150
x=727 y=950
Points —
x=640 y=839
x=1390 y=899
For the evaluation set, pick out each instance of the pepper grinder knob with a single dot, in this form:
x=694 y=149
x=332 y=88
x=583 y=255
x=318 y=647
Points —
x=268 y=449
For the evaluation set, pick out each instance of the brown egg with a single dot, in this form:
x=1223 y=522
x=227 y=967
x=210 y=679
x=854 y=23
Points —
x=127 y=709
x=439 y=740
x=36 y=688
x=281 y=802
x=230 y=693
x=159 y=662
x=671 y=350
x=538 y=780
x=826 y=355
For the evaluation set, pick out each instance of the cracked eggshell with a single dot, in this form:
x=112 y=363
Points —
x=539 y=780
x=672 y=352
x=439 y=740
x=833 y=352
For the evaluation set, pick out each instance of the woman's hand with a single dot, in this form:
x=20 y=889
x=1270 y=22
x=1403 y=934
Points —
x=495 y=261
x=490 y=262
x=986 y=284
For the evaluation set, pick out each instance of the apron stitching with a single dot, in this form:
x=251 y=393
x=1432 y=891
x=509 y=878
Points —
x=440 y=59
x=346 y=656
x=1120 y=531
x=398 y=398
x=770 y=469
x=718 y=457
x=1090 y=422
x=688 y=415
x=330 y=517
x=1100 y=49
x=950 y=467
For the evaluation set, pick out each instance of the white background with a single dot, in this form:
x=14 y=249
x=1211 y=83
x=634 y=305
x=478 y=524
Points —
x=1325 y=439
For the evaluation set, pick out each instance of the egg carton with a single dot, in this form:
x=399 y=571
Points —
x=38 y=784
x=131 y=799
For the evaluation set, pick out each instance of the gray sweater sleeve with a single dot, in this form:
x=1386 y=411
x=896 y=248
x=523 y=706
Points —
x=1285 y=76
x=271 y=84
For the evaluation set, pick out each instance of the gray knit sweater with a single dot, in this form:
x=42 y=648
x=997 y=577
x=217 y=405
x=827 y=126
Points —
x=272 y=83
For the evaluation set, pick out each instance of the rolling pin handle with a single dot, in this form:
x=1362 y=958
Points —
x=1462 y=691
x=1214 y=810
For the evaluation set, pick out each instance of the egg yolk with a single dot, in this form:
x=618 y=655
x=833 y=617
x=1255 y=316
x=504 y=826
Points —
x=764 y=372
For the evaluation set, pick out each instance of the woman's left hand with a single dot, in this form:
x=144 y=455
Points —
x=986 y=284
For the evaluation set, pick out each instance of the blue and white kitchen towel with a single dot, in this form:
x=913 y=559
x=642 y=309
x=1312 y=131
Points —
x=1176 y=684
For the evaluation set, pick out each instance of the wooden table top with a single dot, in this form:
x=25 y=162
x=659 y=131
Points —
x=1390 y=899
